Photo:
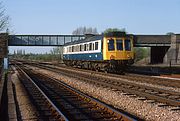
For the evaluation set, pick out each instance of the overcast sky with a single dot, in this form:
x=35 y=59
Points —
x=63 y=16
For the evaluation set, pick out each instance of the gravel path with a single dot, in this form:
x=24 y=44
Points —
x=26 y=108
x=142 y=109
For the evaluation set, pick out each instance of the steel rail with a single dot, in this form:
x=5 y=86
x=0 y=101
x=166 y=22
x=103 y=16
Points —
x=58 y=112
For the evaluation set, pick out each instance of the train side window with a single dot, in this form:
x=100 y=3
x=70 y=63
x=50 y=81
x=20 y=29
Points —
x=96 y=45
x=84 y=47
x=127 y=45
x=80 y=48
x=72 y=48
x=65 y=50
x=77 y=48
x=87 y=47
x=90 y=46
x=119 y=44
x=111 y=44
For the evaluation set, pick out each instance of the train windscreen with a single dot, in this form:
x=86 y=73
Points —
x=111 y=44
x=128 y=45
x=119 y=44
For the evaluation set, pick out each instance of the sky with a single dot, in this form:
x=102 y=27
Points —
x=63 y=16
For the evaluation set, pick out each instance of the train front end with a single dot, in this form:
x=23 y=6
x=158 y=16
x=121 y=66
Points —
x=118 y=50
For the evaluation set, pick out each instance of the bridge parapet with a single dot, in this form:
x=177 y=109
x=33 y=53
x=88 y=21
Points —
x=152 y=40
x=42 y=40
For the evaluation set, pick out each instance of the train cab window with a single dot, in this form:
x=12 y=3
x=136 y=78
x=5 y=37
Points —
x=90 y=46
x=93 y=46
x=96 y=45
x=111 y=44
x=127 y=45
x=119 y=44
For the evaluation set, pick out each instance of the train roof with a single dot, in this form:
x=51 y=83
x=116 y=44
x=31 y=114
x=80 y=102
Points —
x=88 y=38
x=91 y=37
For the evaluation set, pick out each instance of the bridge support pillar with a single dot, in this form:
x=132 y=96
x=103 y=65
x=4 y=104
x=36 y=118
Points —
x=173 y=54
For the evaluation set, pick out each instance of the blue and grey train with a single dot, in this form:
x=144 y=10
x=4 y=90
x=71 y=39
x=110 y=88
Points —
x=108 y=52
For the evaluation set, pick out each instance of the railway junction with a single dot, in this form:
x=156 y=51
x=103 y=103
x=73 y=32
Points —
x=52 y=91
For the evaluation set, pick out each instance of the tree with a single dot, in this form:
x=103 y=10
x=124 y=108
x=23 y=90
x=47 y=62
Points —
x=89 y=30
x=94 y=31
x=4 y=19
x=141 y=53
x=85 y=30
x=170 y=33
x=114 y=30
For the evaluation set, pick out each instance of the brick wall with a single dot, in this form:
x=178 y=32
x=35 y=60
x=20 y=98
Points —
x=3 y=45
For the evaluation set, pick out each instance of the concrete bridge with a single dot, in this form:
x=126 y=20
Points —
x=164 y=48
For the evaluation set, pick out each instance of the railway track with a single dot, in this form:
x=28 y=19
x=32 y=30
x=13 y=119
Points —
x=57 y=101
x=45 y=107
x=167 y=97
x=129 y=76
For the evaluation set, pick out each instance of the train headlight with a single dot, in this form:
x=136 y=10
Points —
x=112 y=57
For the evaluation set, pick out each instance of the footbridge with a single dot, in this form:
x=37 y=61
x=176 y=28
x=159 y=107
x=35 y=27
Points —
x=164 y=48
x=60 y=40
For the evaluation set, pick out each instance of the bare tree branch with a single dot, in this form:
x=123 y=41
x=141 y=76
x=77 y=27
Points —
x=85 y=30
x=4 y=19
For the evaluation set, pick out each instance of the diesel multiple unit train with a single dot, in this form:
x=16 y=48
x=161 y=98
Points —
x=110 y=52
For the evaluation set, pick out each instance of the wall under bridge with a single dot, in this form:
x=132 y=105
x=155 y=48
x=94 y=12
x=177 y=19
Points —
x=173 y=54
x=157 y=54
x=3 y=45
x=3 y=48
x=167 y=54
